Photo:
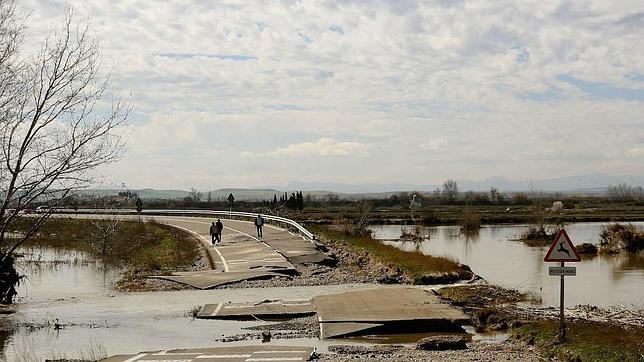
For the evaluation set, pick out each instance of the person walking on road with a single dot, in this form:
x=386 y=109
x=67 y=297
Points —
x=213 y=233
x=220 y=229
x=259 y=223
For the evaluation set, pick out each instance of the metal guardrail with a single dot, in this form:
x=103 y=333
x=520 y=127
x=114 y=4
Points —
x=249 y=215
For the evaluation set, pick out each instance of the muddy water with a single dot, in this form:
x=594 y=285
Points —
x=70 y=288
x=52 y=274
x=491 y=253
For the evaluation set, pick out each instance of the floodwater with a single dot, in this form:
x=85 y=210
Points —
x=493 y=254
x=70 y=288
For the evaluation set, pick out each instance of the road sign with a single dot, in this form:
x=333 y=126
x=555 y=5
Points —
x=566 y=271
x=562 y=249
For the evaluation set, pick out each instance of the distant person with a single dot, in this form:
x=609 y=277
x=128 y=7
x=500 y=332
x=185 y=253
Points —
x=259 y=223
x=213 y=233
x=220 y=229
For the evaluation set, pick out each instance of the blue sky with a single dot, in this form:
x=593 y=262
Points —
x=253 y=93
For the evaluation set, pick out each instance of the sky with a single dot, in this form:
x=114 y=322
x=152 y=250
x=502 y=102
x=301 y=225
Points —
x=256 y=93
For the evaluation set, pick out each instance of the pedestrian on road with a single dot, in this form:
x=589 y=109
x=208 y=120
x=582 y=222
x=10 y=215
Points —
x=220 y=229
x=259 y=223
x=213 y=233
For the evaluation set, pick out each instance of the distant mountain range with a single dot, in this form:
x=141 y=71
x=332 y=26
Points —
x=587 y=184
x=596 y=182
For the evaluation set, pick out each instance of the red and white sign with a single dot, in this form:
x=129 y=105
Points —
x=562 y=249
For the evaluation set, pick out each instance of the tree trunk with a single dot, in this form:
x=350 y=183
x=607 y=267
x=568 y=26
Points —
x=9 y=279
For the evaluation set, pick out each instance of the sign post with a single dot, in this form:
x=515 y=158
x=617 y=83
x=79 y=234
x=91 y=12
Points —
x=562 y=250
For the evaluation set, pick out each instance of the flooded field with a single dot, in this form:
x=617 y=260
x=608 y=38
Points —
x=493 y=254
x=69 y=288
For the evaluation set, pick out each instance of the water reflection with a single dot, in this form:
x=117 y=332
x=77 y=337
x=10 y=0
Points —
x=493 y=254
x=52 y=273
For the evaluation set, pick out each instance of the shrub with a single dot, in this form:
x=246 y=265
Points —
x=470 y=221
x=617 y=237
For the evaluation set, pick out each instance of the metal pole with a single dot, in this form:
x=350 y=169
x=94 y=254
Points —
x=562 y=325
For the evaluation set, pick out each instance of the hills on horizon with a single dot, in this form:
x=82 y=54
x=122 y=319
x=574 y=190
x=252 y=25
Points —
x=595 y=183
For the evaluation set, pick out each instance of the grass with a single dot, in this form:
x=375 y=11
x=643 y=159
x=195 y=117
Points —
x=417 y=266
x=588 y=341
x=586 y=211
x=482 y=295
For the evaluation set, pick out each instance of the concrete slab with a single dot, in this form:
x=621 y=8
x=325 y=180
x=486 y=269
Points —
x=252 y=256
x=387 y=308
x=269 y=310
x=298 y=250
x=221 y=354
x=213 y=278
x=346 y=329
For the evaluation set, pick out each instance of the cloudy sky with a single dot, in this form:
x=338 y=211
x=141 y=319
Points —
x=253 y=93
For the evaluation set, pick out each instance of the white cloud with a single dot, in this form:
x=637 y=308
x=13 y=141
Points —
x=433 y=144
x=476 y=83
x=636 y=152
x=322 y=147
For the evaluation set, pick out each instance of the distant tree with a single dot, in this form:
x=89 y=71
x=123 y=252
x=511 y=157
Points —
x=209 y=199
x=469 y=197
x=521 y=198
x=231 y=201
x=437 y=195
x=332 y=198
x=300 y=201
x=195 y=195
x=494 y=195
x=292 y=202
x=624 y=193
x=450 y=190
x=274 y=200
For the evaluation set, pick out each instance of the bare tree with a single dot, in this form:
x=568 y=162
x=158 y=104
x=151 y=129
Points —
x=55 y=127
x=450 y=190
x=624 y=193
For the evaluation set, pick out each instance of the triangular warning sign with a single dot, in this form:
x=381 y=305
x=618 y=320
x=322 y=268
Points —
x=562 y=249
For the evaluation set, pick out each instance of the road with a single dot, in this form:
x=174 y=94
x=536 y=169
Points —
x=240 y=255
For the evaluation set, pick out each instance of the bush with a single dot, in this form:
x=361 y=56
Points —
x=538 y=235
x=470 y=221
x=617 y=237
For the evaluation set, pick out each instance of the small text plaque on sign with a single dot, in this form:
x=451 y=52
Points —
x=566 y=271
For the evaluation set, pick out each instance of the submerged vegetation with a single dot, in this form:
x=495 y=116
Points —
x=538 y=236
x=470 y=221
x=617 y=237
x=413 y=235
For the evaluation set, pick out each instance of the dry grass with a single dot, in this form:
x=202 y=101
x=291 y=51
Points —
x=142 y=247
x=415 y=265
x=588 y=341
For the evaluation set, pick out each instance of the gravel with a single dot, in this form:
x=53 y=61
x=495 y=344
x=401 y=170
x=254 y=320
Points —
x=477 y=351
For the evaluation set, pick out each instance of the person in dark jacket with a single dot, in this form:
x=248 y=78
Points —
x=213 y=232
x=220 y=229
x=259 y=223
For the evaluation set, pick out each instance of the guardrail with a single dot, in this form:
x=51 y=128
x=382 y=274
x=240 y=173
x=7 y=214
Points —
x=250 y=215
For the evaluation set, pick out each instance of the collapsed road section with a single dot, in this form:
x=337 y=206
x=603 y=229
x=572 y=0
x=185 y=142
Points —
x=385 y=311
